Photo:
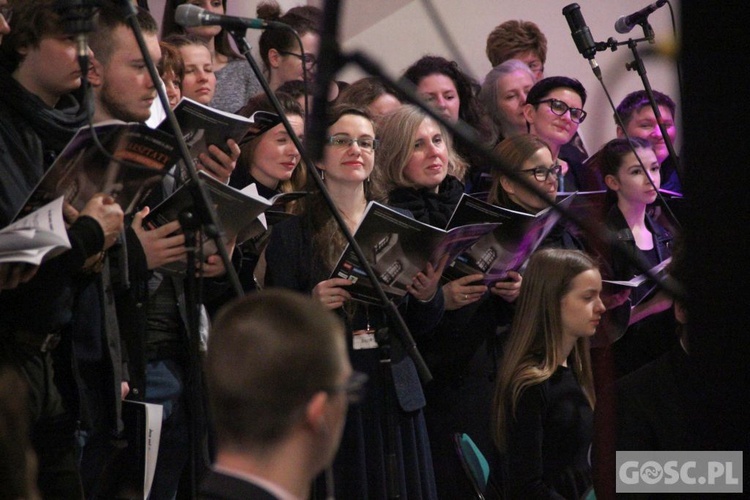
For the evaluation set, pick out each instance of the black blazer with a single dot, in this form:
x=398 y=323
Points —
x=218 y=486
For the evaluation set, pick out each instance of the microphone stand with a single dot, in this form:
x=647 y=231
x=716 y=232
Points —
x=638 y=66
x=206 y=218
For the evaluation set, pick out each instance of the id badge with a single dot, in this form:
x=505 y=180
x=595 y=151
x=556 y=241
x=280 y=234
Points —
x=364 y=339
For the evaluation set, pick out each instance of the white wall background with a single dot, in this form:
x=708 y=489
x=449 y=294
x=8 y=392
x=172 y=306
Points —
x=398 y=32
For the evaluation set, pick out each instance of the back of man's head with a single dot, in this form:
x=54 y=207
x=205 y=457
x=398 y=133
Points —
x=31 y=20
x=268 y=354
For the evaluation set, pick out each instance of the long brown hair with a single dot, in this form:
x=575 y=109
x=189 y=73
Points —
x=328 y=240
x=532 y=353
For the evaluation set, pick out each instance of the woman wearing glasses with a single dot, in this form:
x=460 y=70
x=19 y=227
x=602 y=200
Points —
x=301 y=255
x=553 y=111
x=235 y=81
x=283 y=59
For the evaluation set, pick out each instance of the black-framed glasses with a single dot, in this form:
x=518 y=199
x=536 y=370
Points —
x=541 y=173
x=309 y=59
x=354 y=387
x=7 y=12
x=560 y=108
x=344 y=141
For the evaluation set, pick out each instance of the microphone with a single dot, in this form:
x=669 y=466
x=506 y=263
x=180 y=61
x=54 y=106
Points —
x=581 y=35
x=188 y=16
x=77 y=18
x=626 y=23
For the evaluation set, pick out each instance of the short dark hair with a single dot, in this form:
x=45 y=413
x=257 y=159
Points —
x=31 y=20
x=513 y=38
x=543 y=87
x=111 y=16
x=268 y=353
x=635 y=101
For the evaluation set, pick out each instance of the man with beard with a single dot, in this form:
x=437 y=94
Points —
x=151 y=306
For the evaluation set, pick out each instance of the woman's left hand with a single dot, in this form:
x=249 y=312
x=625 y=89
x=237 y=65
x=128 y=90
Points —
x=425 y=284
x=219 y=164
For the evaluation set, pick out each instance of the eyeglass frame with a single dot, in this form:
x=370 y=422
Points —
x=306 y=58
x=554 y=169
x=351 y=141
x=354 y=387
x=552 y=100
x=7 y=12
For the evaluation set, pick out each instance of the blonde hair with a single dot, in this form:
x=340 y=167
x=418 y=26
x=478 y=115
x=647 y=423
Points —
x=396 y=133
x=532 y=353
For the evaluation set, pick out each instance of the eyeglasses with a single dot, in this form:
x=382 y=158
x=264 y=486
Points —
x=354 y=387
x=560 y=108
x=541 y=173
x=344 y=141
x=309 y=59
x=6 y=11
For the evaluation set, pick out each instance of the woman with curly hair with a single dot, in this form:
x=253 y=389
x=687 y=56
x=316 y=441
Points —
x=454 y=94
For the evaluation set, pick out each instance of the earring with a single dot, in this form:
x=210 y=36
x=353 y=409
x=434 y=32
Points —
x=367 y=180
x=322 y=175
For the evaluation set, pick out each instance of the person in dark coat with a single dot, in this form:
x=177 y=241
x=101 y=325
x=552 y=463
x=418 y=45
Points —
x=421 y=172
x=543 y=409
x=301 y=255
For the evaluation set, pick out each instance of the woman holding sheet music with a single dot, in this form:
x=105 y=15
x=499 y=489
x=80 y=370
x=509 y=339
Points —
x=270 y=160
x=530 y=157
x=421 y=172
x=645 y=241
x=301 y=255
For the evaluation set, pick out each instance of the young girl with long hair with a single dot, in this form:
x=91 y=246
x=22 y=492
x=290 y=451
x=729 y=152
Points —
x=544 y=400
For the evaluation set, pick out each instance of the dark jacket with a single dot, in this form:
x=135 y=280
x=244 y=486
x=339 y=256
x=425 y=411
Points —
x=218 y=486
